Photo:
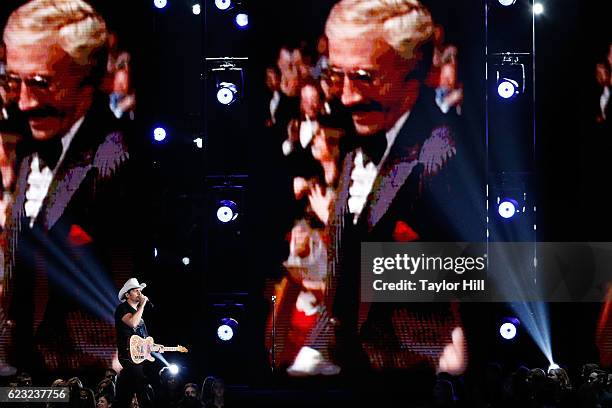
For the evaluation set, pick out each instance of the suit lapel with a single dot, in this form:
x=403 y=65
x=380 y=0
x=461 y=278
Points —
x=20 y=192
x=344 y=185
x=401 y=161
x=388 y=182
x=71 y=172
x=395 y=170
x=65 y=183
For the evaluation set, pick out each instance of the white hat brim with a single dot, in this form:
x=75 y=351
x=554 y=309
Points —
x=127 y=287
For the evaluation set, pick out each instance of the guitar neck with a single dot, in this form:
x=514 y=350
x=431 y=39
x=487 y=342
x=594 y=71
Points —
x=158 y=346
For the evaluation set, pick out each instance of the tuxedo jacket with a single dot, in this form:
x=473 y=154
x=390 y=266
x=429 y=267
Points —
x=61 y=274
x=419 y=194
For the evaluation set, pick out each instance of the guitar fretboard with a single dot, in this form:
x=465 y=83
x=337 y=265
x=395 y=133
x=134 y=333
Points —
x=168 y=348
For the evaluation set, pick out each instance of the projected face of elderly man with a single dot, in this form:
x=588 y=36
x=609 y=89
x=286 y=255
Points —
x=374 y=47
x=49 y=66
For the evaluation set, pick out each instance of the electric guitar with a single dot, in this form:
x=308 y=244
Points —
x=141 y=349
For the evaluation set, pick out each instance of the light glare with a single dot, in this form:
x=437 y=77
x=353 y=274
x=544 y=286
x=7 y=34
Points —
x=160 y=4
x=538 y=8
x=223 y=4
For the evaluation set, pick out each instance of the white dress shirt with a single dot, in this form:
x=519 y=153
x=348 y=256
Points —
x=40 y=176
x=274 y=105
x=307 y=131
x=365 y=172
x=603 y=101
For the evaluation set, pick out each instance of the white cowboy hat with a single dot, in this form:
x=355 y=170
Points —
x=132 y=283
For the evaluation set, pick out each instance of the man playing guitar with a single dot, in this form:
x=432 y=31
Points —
x=129 y=321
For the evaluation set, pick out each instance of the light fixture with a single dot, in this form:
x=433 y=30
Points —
x=510 y=73
x=159 y=134
x=174 y=369
x=507 y=3
x=226 y=78
x=226 y=93
x=223 y=4
x=227 y=329
x=242 y=20
x=160 y=4
x=227 y=211
x=509 y=328
x=507 y=208
x=507 y=88
x=538 y=8
x=196 y=9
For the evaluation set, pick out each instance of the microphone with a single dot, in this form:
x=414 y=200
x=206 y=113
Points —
x=150 y=303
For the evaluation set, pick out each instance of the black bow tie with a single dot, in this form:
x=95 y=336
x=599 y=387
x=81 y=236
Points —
x=374 y=146
x=49 y=152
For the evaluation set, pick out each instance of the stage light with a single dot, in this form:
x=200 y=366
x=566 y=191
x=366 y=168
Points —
x=507 y=331
x=507 y=88
x=174 y=369
x=553 y=366
x=159 y=134
x=199 y=142
x=196 y=9
x=155 y=253
x=160 y=4
x=509 y=328
x=223 y=4
x=507 y=208
x=507 y=2
x=227 y=211
x=226 y=78
x=227 y=329
x=186 y=261
x=538 y=8
x=227 y=92
x=242 y=20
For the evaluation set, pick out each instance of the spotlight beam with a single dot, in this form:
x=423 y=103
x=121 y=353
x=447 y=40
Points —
x=534 y=316
x=93 y=286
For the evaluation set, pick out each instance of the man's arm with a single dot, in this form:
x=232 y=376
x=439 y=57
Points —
x=132 y=319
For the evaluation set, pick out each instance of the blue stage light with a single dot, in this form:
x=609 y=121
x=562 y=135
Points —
x=159 y=134
x=507 y=88
x=507 y=2
x=538 y=8
x=507 y=331
x=227 y=211
x=160 y=4
x=226 y=93
x=174 y=369
x=242 y=20
x=227 y=329
x=223 y=4
x=507 y=208
x=509 y=328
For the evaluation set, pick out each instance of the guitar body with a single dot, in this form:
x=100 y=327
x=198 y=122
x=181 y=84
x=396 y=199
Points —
x=141 y=349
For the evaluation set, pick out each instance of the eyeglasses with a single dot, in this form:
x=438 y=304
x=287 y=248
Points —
x=360 y=77
x=36 y=83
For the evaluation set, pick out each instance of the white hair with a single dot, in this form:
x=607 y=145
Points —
x=75 y=26
x=404 y=24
